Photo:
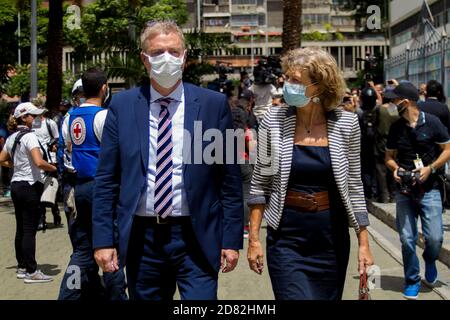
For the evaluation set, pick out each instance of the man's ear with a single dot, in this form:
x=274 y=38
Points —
x=144 y=60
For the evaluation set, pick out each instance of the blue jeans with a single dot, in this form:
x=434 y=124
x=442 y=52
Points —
x=430 y=211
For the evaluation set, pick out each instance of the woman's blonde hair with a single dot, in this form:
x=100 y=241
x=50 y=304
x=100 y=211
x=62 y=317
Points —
x=323 y=71
x=13 y=123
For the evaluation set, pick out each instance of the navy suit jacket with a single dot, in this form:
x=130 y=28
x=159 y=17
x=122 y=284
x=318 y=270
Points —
x=214 y=191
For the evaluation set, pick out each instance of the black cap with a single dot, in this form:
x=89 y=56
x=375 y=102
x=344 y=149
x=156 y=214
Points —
x=405 y=90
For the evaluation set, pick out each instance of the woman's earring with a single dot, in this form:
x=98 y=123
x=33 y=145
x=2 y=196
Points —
x=316 y=100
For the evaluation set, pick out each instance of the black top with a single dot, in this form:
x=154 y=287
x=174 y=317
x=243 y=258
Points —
x=439 y=109
x=423 y=140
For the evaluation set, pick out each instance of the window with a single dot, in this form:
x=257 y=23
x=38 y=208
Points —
x=216 y=22
x=244 y=2
x=244 y=20
x=342 y=21
x=348 y=57
x=317 y=19
x=334 y=53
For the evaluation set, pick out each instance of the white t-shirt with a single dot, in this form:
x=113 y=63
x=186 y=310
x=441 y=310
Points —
x=41 y=130
x=263 y=98
x=24 y=167
x=99 y=122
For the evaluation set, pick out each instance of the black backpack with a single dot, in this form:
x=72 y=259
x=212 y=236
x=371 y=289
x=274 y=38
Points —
x=20 y=135
x=369 y=123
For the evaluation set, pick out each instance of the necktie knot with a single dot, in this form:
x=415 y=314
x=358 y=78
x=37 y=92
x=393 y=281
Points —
x=164 y=102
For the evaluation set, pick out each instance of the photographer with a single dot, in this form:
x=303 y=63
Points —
x=47 y=133
x=265 y=73
x=413 y=153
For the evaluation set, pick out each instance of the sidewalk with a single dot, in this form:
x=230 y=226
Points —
x=53 y=251
x=386 y=213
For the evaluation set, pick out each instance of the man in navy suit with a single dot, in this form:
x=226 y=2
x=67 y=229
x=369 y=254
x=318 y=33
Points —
x=180 y=217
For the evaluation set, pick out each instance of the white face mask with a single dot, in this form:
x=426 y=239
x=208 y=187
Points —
x=166 y=69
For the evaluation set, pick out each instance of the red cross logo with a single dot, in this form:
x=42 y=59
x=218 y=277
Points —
x=77 y=131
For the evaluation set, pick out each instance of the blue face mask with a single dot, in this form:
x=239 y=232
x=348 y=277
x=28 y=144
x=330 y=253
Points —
x=82 y=100
x=294 y=94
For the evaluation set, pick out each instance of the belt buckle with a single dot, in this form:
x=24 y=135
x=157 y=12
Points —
x=314 y=206
x=160 y=220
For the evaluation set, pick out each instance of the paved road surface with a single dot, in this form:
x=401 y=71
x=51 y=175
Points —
x=53 y=251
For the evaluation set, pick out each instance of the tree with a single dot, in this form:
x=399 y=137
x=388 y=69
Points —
x=113 y=27
x=54 y=54
x=8 y=49
x=9 y=38
x=292 y=26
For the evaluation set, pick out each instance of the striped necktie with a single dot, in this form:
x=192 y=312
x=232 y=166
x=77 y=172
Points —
x=164 y=164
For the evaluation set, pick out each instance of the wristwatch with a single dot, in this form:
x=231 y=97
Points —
x=433 y=169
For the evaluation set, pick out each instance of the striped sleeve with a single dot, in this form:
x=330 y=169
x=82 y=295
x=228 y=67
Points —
x=261 y=183
x=355 y=185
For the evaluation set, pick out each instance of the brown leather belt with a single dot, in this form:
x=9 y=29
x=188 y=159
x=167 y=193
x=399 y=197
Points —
x=305 y=202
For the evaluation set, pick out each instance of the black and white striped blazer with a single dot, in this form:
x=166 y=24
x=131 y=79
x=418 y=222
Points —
x=274 y=158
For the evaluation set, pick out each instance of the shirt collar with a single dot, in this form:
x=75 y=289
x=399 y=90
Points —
x=176 y=94
x=421 y=120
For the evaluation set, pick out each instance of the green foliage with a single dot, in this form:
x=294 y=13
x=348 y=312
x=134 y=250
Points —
x=195 y=71
x=114 y=26
x=9 y=35
x=339 y=36
x=20 y=82
x=317 y=36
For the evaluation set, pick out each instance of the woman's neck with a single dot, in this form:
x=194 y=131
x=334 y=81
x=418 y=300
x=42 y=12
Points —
x=311 y=114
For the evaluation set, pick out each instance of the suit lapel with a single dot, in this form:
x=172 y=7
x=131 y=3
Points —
x=141 y=110
x=191 y=114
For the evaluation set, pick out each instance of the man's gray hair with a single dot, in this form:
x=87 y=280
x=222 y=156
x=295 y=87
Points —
x=154 y=28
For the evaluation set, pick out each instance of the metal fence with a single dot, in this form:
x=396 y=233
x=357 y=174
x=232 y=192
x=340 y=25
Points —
x=421 y=64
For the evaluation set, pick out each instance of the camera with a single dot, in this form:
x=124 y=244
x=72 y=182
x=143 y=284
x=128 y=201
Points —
x=409 y=178
x=222 y=84
x=267 y=70
x=370 y=63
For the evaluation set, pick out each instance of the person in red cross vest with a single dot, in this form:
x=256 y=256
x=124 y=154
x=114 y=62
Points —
x=83 y=132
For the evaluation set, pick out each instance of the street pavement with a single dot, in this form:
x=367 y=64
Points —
x=54 y=249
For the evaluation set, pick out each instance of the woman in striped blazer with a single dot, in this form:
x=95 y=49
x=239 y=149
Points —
x=307 y=183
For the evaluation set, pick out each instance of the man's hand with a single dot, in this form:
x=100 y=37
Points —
x=228 y=260
x=396 y=177
x=107 y=259
x=424 y=173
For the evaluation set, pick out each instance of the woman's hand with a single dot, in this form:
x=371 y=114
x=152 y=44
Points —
x=255 y=256
x=365 y=259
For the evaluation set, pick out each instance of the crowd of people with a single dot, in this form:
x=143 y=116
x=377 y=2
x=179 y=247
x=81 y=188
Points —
x=320 y=149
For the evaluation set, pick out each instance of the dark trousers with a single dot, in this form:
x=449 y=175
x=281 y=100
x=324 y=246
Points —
x=81 y=280
x=385 y=182
x=162 y=256
x=27 y=206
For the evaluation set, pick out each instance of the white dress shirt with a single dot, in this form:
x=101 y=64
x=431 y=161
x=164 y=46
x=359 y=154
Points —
x=176 y=110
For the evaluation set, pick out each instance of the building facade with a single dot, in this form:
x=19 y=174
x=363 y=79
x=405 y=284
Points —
x=255 y=29
x=420 y=50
